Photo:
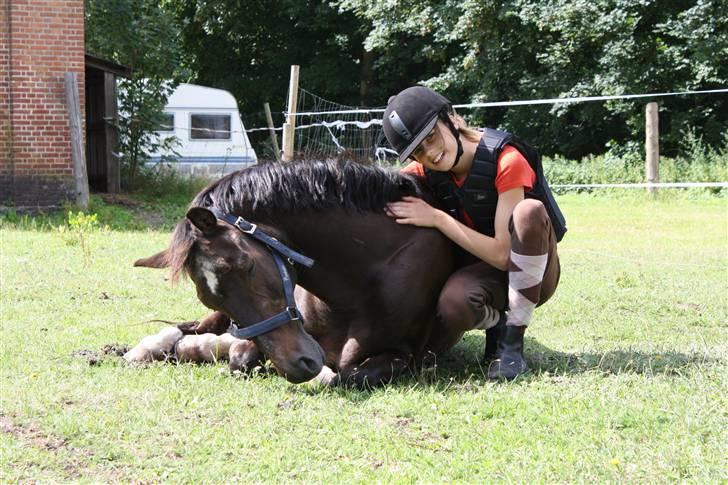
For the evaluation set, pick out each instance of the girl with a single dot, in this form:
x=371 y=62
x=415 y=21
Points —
x=496 y=206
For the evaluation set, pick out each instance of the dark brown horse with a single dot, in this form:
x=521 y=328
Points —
x=368 y=303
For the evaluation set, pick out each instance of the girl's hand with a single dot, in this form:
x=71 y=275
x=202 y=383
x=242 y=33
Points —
x=414 y=211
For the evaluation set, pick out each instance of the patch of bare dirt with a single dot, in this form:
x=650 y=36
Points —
x=93 y=357
x=116 y=350
x=76 y=466
x=31 y=435
x=119 y=199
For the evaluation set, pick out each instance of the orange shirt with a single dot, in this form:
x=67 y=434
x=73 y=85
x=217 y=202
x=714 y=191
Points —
x=512 y=171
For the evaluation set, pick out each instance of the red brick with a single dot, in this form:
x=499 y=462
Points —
x=47 y=41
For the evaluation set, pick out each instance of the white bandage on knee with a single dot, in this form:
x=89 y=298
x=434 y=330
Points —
x=531 y=274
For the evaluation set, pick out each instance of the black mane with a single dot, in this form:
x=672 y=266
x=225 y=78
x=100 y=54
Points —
x=304 y=186
x=263 y=191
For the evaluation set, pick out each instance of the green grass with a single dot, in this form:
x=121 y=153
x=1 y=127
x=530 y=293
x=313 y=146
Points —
x=629 y=371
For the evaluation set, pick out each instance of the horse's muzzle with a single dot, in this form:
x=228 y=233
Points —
x=304 y=370
x=306 y=366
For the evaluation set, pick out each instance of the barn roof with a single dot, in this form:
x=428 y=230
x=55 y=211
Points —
x=107 y=66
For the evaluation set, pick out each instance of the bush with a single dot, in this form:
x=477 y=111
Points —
x=696 y=162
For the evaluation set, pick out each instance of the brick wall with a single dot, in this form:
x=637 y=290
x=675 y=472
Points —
x=5 y=142
x=40 y=41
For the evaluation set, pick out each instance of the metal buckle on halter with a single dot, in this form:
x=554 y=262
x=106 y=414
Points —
x=239 y=223
x=293 y=313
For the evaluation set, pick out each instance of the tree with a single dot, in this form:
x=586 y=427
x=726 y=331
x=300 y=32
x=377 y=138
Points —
x=497 y=50
x=248 y=47
x=142 y=35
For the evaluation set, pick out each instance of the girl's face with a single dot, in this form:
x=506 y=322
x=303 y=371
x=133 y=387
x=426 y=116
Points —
x=437 y=150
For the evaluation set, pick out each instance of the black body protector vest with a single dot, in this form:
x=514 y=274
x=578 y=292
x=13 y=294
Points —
x=478 y=196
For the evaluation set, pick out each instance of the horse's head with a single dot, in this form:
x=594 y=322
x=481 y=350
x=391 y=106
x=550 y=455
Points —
x=238 y=275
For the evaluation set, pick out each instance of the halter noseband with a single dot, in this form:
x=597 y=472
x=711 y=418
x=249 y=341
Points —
x=277 y=249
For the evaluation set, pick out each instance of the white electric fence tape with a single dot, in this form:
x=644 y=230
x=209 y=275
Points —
x=581 y=99
x=382 y=152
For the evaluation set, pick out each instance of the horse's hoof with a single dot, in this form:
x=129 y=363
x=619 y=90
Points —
x=325 y=378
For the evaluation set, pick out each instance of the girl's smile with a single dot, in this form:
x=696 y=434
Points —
x=439 y=149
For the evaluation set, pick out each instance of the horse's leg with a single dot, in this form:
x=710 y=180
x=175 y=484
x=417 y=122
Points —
x=343 y=350
x=245 y=356
x=375 y=370
x=216 y=322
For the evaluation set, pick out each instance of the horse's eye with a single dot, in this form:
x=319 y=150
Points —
x=246 y=264
x=222 y=266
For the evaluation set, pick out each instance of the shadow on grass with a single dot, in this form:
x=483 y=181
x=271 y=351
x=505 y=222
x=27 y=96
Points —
x=462 y=367
x=461 y=370
x=615 y=362
x=542 y=359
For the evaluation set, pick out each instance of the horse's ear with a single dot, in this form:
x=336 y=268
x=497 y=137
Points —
x=203 y=219
x=159 y=260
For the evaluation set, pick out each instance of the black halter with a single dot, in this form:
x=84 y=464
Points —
x=277 y=249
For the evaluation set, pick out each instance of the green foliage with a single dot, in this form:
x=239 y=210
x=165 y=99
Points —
x=493 y=51
x=142 y=102
x=697 y=162
x=361 y=51
x=165 y=194
x=247 y=48
x=143 y=36
x=163 y=184
x=77 y=230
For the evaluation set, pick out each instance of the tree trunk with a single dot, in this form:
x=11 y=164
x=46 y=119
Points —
x=365 y=76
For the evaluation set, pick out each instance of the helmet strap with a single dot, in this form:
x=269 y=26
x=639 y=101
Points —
x=444 y=116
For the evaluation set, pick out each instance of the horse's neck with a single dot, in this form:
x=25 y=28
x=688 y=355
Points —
x=346 y=247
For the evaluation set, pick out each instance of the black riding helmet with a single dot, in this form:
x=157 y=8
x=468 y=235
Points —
x=411 y=115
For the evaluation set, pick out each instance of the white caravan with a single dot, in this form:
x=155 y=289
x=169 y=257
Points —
x=211 y=139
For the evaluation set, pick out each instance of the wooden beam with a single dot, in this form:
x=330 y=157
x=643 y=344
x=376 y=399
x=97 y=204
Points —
x=272 y=132
x=289 y=133
x=111 y=135
x=77 y=152
x=652 y=145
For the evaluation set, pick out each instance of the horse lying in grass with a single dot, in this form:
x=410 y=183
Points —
x=365 y=304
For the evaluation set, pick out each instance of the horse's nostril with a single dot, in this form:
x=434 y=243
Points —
x=310 y=365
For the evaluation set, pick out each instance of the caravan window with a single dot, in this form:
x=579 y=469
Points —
x=167 y=122
x=210 y=127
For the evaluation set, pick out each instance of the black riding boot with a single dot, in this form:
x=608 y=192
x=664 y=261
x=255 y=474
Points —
x=511 y=363
x=493 y=337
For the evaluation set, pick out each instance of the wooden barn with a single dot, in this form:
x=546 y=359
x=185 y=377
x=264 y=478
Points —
x=41 y=41
x=102 y=133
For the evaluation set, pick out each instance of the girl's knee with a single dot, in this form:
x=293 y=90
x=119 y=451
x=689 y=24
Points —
x=454 y=310
x=530 y=215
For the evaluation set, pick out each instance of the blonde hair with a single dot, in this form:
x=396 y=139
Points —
x=470 y=134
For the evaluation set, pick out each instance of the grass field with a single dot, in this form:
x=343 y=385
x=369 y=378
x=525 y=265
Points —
x=629 y=380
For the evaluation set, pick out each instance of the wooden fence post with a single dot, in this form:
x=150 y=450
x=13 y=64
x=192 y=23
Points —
x=652 y=146
x=77 y=149
x=111 y=134
x=272 y=132
x=290 y=130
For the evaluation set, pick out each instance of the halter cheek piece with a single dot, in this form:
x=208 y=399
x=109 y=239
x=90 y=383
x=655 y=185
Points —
x=277 y=249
